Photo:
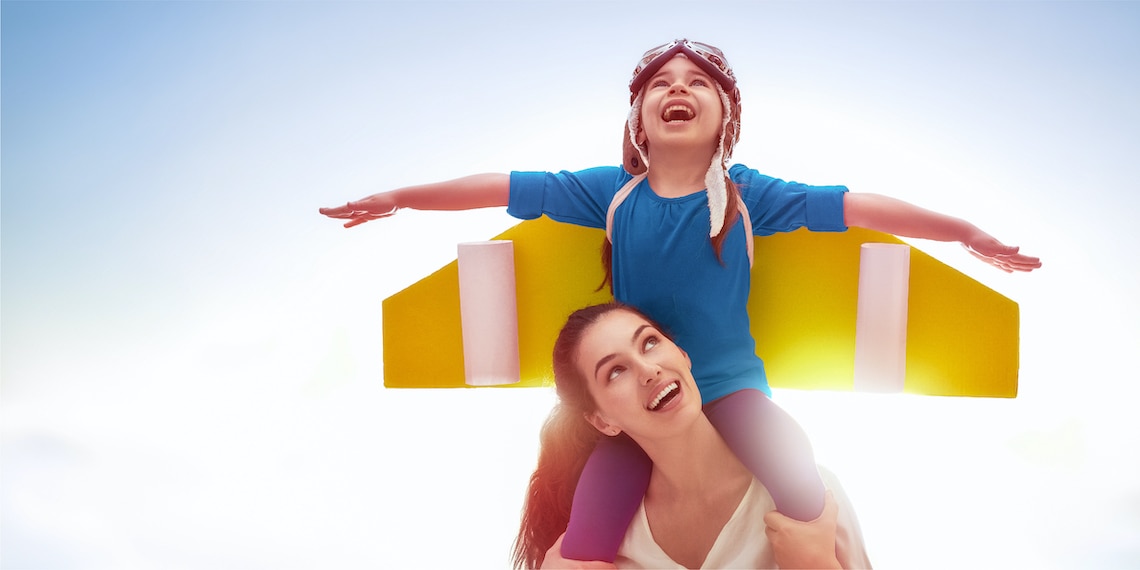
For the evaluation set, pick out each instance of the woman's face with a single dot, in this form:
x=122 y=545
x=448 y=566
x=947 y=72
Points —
x=681 y=105
x=641 y=382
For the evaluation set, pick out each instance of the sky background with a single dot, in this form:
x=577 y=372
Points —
x=192 y=367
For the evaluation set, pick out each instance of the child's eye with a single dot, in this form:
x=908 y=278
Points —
x=660 y=83
x=700 y=82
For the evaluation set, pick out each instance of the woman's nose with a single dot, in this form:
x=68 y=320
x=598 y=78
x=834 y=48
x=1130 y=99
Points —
x=650 y=372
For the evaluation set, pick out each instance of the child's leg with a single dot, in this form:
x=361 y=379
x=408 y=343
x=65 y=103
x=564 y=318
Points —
x=609 y=492
x=773 y=447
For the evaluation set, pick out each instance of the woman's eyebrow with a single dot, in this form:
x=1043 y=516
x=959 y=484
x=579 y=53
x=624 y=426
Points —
x=603 y=360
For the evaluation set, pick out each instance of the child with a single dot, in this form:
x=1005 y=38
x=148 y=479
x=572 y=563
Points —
x=679 y=246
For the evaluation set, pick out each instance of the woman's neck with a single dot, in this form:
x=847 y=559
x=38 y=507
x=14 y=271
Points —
x=694 y=461
x=696 y=486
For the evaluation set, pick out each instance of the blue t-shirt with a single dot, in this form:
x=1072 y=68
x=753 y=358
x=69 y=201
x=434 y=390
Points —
x=664 y=262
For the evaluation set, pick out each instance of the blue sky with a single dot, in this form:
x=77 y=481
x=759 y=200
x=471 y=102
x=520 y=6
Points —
x=191 y=370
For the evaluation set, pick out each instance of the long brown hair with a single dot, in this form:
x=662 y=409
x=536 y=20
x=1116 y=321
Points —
x=566 y=441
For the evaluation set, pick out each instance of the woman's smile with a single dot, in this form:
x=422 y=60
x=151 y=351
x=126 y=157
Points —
x=665 y=396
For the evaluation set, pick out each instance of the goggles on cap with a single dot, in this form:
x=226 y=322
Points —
x=710 y=59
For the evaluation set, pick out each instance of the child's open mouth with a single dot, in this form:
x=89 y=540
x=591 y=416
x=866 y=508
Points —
x=677 y=113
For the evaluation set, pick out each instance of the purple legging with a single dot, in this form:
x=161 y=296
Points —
x=761 y=434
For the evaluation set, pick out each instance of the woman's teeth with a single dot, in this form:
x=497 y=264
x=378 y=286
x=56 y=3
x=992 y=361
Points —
x=663 y=395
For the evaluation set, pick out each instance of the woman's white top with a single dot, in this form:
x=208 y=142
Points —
x=742 y=542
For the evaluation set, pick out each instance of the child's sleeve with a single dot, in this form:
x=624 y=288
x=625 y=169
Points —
x=779 y=206
x=580 y=198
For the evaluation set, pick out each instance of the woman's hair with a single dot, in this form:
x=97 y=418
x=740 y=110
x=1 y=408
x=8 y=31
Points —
x=566 y=441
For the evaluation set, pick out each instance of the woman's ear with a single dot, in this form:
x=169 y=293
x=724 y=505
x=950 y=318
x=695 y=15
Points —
x=595 y=418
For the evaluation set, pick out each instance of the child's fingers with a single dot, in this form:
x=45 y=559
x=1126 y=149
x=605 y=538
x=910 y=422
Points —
x=1008 y=262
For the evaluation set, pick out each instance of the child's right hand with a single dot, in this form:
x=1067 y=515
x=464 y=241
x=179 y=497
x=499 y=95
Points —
x=373 y=207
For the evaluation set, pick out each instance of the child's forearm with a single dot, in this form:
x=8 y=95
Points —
x=885 y=214
x=469 y=192
x=892 y=216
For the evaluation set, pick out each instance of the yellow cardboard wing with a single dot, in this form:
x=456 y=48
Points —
x=962 y=337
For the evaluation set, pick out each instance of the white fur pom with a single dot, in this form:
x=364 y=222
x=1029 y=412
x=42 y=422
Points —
x=717 y=193
x=714 y=178
x=634 y=122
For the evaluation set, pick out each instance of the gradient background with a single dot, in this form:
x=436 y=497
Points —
x=192 y=369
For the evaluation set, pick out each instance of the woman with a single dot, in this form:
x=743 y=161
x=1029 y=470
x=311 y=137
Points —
x=619 y=376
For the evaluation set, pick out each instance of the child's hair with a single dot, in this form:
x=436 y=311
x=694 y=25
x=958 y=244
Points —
x=635 y=159
x=566 y=441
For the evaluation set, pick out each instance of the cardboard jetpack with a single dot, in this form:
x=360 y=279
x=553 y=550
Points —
x=961 y=338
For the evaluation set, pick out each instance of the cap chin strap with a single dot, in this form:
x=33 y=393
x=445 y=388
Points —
x=633 y=182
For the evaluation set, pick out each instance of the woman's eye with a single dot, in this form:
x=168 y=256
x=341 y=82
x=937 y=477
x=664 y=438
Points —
x=614 y=372
x=650 y=342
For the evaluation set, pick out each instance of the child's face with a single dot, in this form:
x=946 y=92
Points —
x=682 y=108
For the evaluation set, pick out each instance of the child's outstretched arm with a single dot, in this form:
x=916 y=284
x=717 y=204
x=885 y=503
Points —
x=885 y=214
x=467 y=193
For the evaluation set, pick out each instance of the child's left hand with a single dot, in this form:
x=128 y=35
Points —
x=1004 y=257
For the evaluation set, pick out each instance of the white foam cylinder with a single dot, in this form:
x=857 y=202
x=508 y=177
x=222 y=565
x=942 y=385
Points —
x=488 y=312
x=881 y=314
